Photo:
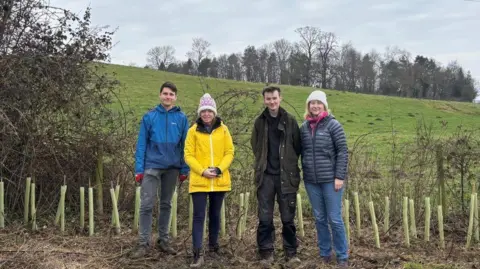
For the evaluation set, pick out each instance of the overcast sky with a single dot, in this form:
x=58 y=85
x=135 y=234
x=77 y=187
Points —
x=443 y=29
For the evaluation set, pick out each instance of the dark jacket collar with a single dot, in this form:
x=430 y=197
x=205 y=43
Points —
x=281 y=113
x=201 y=126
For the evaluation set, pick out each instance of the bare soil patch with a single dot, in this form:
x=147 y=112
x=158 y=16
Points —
x=47 y=248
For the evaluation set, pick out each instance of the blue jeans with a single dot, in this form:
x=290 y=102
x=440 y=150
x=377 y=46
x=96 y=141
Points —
x=199 y=200
x=327 y=204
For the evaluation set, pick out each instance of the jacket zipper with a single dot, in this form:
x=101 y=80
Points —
x=211 y=160
x=313 y=149
x=166 y=127
x=265 y=144
x=280 y=147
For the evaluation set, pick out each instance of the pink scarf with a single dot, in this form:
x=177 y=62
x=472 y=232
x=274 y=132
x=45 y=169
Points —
x=313 y=121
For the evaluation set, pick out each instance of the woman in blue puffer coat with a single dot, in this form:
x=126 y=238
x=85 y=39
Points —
x=325 y=163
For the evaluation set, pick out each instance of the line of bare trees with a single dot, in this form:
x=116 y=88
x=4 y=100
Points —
x=318 y=59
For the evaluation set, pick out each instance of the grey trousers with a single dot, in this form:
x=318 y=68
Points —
x=152 y=180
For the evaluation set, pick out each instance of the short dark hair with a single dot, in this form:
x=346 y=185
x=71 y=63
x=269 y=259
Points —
x=170 y=85
x=271 y=89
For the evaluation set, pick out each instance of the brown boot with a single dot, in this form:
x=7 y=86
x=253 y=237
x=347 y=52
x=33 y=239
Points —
x=342 y=264
x=327 y=259
x=266 y=259
x=164 y=246
x=293 y=261
x=139 y=252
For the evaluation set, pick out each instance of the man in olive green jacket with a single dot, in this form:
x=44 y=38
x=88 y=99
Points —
x=276 y=145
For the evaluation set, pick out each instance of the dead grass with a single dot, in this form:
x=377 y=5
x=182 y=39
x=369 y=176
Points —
x=19 y=248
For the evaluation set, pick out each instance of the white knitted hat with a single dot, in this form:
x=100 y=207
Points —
x=207 y=102
x=319 y=96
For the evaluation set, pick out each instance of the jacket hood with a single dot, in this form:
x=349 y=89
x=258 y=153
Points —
x=161 y=109
x=201 y=127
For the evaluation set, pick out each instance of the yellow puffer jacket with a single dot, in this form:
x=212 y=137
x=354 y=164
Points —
x=203 y=150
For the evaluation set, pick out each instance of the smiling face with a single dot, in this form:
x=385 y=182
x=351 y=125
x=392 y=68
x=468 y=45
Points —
x=207 y=116
x=316 y=107
x=167 y=97
x=272 y=100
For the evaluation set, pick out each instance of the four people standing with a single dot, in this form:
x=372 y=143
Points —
x=167 y=151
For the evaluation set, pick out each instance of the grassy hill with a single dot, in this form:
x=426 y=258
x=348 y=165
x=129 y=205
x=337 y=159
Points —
x=359 y=113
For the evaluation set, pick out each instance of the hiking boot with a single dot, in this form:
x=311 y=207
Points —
x=213 y=248
x=266 y=259
x=214 y=251
x=139 y=252
x=326 y=259
x=342 y=264
x=197 y=258
x=293 y=261
x=165 y=247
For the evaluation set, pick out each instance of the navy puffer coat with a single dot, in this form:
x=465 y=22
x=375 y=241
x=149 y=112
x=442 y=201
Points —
x=325 y=153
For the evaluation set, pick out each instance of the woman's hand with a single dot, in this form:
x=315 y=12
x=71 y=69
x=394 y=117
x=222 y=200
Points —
x=209 y=173
x=338 y=184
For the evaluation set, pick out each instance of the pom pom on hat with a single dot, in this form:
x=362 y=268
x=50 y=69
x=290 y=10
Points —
x=319 y=96
x=207 y=102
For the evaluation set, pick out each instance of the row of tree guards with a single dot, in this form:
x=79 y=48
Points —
x=409 y=226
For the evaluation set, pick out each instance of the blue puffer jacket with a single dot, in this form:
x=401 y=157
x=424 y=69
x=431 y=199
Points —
x=325 y=154
x=161 y=140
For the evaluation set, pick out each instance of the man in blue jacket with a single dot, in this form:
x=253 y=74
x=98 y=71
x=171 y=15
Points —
x=159 y=162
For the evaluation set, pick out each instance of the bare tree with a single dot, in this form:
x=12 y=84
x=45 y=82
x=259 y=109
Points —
x=283 y=48
x=200 y=50
x=161 y=54
x=326 y=52
x=348 y=68
x=308 y=45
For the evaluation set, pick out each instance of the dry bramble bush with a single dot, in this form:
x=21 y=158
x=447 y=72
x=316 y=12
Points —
x=55 y=101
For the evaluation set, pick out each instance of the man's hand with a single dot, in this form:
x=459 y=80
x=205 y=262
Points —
x=209 y=173
x=338 y=184
x=182 y=178
x=139 y=178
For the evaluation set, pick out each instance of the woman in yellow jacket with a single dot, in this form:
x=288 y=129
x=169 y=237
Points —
x=208 y=152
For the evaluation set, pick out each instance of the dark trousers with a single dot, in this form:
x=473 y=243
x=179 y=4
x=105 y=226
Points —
x=271 y=187
x=199 y=200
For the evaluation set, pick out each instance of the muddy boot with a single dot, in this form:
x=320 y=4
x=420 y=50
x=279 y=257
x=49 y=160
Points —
x=197 y=258
x=139 y=252
x=165 y=247
x=214 y=251
x=326 y=259
x=266 y=259
x=342 y=264
x=292 y=261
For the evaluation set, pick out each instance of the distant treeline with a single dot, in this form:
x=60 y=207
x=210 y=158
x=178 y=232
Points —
x=318 y=59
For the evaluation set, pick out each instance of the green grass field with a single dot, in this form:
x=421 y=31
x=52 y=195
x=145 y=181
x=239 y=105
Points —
x=359 y=113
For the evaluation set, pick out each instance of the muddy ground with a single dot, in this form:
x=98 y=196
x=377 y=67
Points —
x=47 y=248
